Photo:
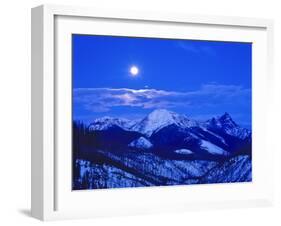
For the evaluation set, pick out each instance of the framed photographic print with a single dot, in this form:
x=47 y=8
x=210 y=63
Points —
x=137 y=112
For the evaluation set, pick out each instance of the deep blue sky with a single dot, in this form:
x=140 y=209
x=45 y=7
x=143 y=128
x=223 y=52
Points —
x=198 y=78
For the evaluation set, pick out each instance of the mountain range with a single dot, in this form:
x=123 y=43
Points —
x=163 y=148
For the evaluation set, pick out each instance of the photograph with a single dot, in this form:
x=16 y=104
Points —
x=150 y=111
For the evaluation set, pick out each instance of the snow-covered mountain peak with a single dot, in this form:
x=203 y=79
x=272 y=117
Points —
x=106 y=122
x=161 y=118
x=227 y=124
x=162 y=114
x=226 y=119
x=226 y=115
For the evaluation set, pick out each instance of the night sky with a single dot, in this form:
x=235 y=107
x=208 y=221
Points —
x=200 y=79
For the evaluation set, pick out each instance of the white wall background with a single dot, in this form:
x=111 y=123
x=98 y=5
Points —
x=15 y=111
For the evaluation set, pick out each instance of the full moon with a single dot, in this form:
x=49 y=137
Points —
x=134 y=71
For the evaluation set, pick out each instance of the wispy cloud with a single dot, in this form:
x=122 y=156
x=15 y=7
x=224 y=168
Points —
x=103 y=99
x=195 y=49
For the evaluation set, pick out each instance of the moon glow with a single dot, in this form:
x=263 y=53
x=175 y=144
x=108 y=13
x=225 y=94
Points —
x=134 y=71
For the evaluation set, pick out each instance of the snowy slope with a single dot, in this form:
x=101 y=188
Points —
x=141 y=143
x=236 y=169
x=97 y=176
x=212 y=149
x=147 y=169
x=159 y=171
x=184 y=151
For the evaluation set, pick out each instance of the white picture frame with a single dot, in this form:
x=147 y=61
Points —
x=52 y=197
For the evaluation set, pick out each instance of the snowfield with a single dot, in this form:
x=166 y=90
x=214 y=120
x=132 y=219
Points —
x=184 y=151
x=141 y=143
x=213 y=149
